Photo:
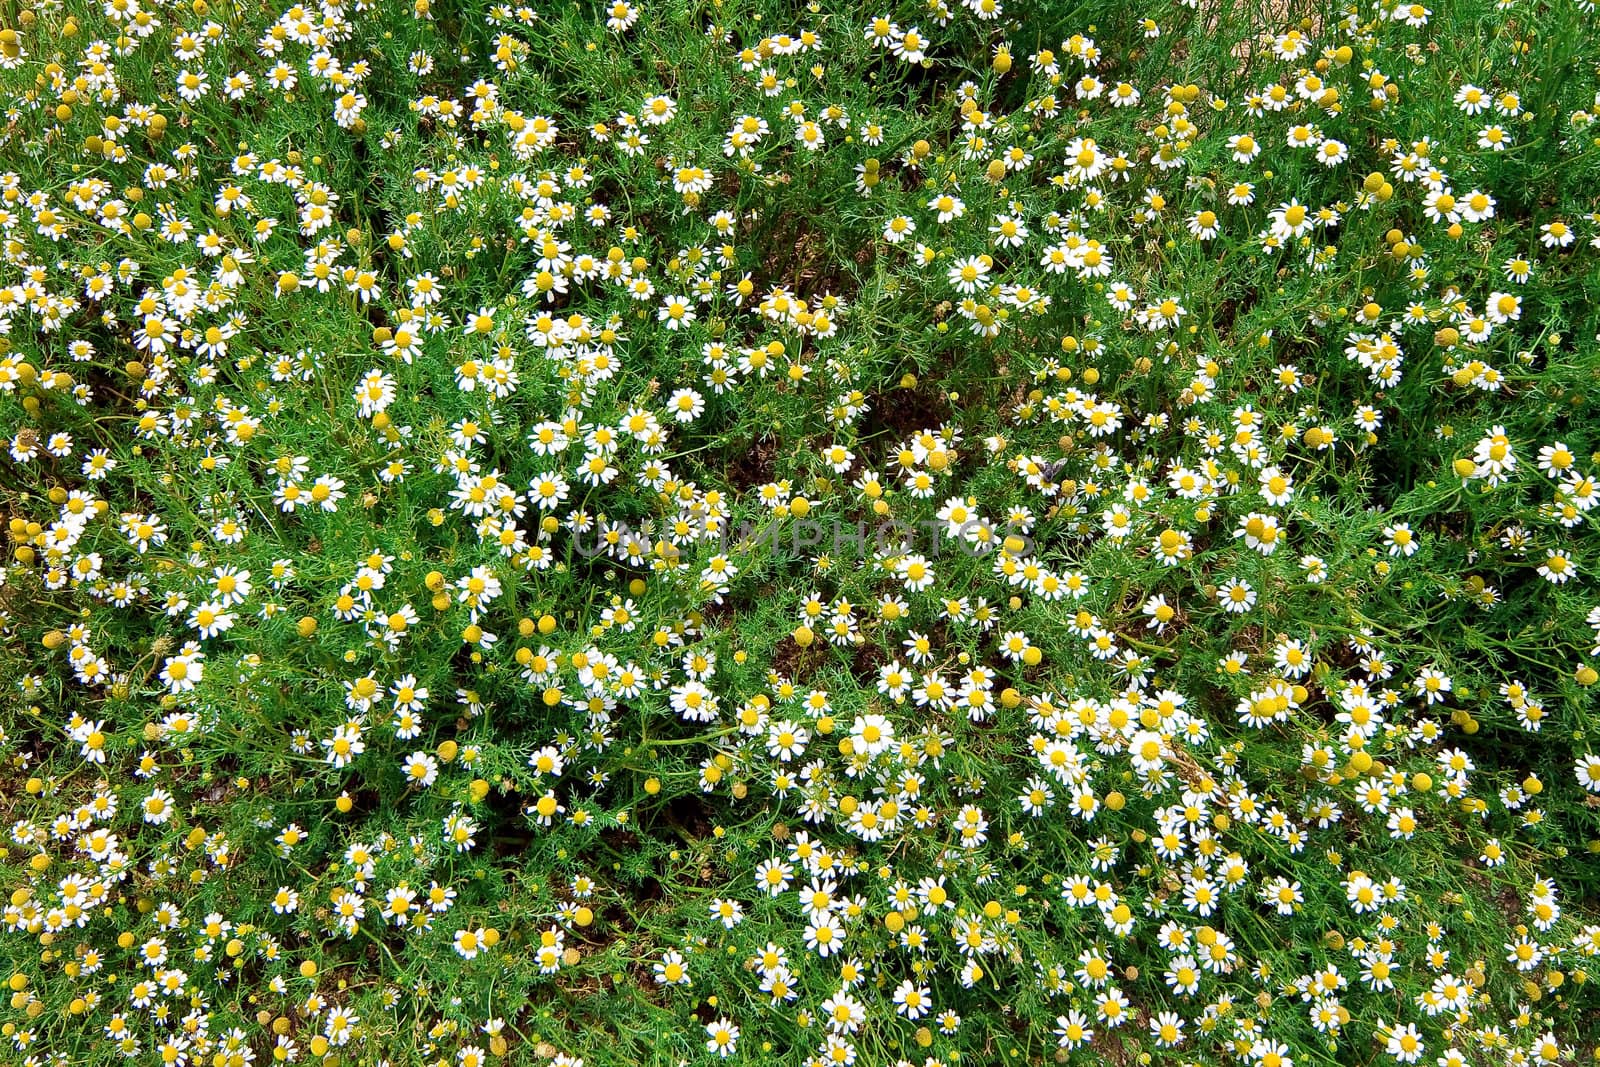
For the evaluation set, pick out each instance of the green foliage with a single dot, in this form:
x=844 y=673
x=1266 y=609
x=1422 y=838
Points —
x=718 y=529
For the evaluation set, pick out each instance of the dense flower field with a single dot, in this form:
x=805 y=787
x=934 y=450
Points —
x=696 y=531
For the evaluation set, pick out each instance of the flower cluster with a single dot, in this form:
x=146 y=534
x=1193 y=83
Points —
x=664 y=533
